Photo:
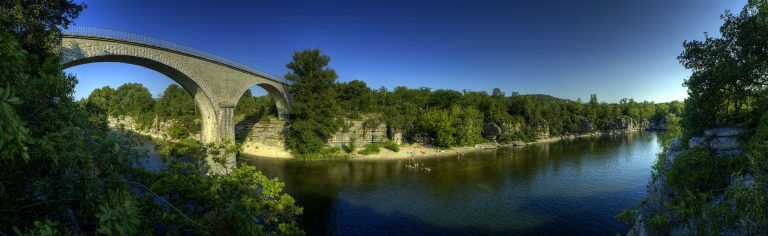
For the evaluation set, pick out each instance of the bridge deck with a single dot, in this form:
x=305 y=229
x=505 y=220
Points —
x=94 y=32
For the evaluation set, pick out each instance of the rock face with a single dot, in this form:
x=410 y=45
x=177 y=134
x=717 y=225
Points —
x=266 y=132
x=722 y=142
x=585 y=126
x=542 y=130
x=364 y=134
x=273 y=131
x=660 y=124
x=697 y=142
x=491 y=131
x=511 y=127
x=722 y=132
x=621 y=124
x=156 y=129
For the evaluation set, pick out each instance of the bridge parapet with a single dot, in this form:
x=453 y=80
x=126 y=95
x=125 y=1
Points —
x=104 y=33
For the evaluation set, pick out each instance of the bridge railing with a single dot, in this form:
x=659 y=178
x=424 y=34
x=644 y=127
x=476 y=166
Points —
x=156 y=42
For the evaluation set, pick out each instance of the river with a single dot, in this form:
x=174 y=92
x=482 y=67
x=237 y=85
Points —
x=571 y=187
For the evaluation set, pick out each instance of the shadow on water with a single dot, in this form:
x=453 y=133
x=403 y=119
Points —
x=582 y=219
x=568 y=187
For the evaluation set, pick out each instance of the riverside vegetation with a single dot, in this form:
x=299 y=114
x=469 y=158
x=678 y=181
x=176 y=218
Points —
x=711 y=178
x=65 y=173
x=442 y=118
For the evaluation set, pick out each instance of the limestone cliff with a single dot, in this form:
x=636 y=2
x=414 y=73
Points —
x=364 y=132
x=624 y=124
x=271 y=132
x=660 y=124
x=722 y=143
x=158 y=128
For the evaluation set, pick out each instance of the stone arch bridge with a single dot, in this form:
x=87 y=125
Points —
x=215 y=83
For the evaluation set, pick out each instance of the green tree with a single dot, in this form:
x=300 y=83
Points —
x=443 y=98
x=102 y=98
x=134 y=100
x=36 y=23
x=467 y=122
x=252 y=109
x=65 y=175
x=728 y=73
x=314 y=109
x=177 y=105
x=438 y=125
x=355 y=97
x=246 y=104
x=497 y=93
x=593 y=108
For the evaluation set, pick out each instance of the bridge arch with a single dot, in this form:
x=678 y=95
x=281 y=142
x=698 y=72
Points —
x=208 y=132
x=282 y=100
x=215 y=83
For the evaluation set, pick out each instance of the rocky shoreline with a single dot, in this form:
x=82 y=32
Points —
x=424 y=151
x=721 y=143
x=266 y=139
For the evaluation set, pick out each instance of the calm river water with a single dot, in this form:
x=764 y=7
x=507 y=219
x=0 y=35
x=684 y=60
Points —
x=562 y=188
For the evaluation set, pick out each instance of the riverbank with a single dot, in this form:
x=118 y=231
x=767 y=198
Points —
x=419 y=151
x=510 y=185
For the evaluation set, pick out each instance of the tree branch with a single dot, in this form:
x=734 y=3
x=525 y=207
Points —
x=164 y=201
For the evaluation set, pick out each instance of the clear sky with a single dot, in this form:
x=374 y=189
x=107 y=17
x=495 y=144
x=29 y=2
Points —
x=564 y=48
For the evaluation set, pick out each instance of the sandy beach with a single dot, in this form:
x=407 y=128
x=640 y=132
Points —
x=407 y=150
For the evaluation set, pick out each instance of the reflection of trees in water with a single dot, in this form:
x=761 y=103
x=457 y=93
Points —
x=316 y=184
x=448 y=174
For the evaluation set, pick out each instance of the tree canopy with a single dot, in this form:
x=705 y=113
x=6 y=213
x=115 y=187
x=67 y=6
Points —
x=314 y=110
x=729 y=74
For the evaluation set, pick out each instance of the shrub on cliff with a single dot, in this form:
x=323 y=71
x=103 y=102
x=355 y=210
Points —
x=697 y=177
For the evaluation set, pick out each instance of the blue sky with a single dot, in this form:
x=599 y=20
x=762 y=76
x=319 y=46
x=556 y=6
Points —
x=564 y=48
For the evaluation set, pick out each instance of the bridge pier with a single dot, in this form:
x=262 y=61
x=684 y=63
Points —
x=226 y=122
x=215 y=83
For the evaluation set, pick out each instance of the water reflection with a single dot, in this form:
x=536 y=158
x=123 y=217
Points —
x=571 y=187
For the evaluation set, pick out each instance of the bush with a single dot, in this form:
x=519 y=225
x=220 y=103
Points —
x=391 y=145
x=241 y=201
x=350 y=146
x=660 y=222
x=325 y=153
x=628 y=216
x=371 y=148
x=178 y=131
x=757 y=147
x=697 y=170
x=696 y=177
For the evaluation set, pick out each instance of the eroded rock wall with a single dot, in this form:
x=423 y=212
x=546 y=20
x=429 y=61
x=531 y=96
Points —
x=270 y=132
x=363 y=134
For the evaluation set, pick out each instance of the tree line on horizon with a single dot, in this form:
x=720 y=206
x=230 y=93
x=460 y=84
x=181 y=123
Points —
x=441 y=117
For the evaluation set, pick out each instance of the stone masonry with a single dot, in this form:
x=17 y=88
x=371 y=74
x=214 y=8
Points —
x=215 y=86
